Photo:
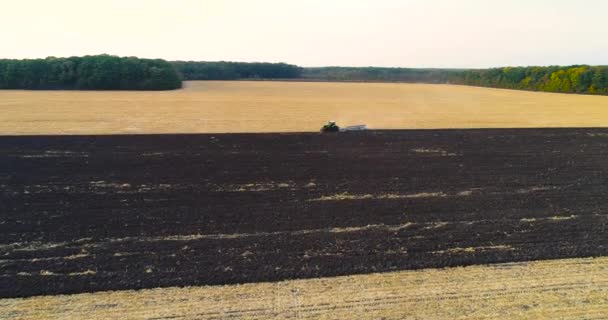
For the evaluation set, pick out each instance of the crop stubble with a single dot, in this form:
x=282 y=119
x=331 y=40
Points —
x=551 y=289
x=242 y=106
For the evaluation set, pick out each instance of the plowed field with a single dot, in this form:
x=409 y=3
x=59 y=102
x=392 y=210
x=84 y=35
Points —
x=93 y=213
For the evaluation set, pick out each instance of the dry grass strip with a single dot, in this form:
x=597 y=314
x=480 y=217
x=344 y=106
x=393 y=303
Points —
x=553 y=289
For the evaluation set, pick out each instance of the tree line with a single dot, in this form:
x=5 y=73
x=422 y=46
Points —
x=570 y=79
x=224 y=70
x=106 y=72
x=379 y=74
x=99 y=72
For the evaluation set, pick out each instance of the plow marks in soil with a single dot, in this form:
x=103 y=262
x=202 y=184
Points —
x=94 y=213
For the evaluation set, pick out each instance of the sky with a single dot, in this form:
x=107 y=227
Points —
x=392 y=33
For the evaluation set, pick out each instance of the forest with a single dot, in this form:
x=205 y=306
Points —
x=99 y=72
x=224 y=70
x=380 y=74
x=571 y=79
x=107 y=72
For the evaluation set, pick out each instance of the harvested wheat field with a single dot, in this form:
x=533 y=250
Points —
x=552 y=289
x=241 y=106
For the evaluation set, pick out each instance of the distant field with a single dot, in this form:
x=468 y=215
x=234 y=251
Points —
x=241 y=106
x=554 y=289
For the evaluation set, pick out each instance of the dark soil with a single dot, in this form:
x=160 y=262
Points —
x=91 y=213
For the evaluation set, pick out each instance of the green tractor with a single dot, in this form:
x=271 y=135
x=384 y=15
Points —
x=331 y=126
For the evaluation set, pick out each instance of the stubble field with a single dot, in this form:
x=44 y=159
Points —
x=241 y=106
x=534 y=290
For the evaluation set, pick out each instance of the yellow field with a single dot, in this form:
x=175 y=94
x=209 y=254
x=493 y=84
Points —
x=240 y=106
x=553 y=289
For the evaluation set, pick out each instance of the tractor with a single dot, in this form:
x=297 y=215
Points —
x=331 y=126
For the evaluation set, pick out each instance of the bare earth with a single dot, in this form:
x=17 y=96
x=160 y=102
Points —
x=241 y=106
x=552 y=289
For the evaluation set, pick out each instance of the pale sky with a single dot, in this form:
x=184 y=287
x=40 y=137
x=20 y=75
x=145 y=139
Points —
x=400 y=33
